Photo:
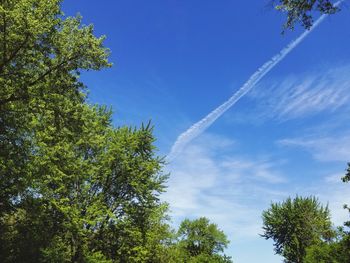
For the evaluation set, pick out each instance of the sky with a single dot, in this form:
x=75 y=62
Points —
x=175 y=61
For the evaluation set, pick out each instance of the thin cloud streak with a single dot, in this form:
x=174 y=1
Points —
x=200 y=126
x=327 y=149
x=300 y=96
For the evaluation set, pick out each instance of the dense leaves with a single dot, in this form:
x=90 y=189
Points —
x=202 y=241
x=332 y=251
x=41 y=56
x=296 y=224
x=72 y=187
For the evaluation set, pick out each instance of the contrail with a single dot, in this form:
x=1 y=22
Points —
x=200 y=126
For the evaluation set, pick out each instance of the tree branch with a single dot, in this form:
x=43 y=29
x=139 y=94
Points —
x=49 y=71
x=13 y=55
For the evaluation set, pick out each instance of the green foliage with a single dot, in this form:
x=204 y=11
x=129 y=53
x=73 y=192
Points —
x=201 y=241
x=41 y=56
x=302 y=11
x=346 y=178
x=295 y=225
x=325 y=253
x=286 y=220
x=332 y=251
x=322 y=253
x=72 y=187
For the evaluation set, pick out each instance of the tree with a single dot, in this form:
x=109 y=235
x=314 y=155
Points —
x=329 y=251
x=72 y=187
x=294 y=225
x=336 y=250
x=201 y=241
x=41 y=56
x=302 y=11
x=93 y=193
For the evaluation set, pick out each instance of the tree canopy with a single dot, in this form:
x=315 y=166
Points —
x=202 y=241
x=337 y=249
x=303 y=11
x=73 y=188
x=296 y=224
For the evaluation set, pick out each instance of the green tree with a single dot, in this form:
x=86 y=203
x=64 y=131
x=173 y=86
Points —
x=72 y=187
x=322 y=253
x=41 y=56
x=93 y=193
x=329 y=251
x=202 y=241
x=336 y=250
x=294 y=225
x=302 y=11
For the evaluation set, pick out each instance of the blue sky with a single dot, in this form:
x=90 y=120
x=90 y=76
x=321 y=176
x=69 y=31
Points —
x=175 y=61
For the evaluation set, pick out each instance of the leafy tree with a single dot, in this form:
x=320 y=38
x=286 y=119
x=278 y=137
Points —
x=302 y=11
x=336 y=250
x=41 y=56
x=295 y=225
x=329 y=251
x=94 y=196
x=202 y=241
x=72 y=187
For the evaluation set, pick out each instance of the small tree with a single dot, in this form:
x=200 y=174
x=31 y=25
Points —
x=295 y=225
x=201 y=241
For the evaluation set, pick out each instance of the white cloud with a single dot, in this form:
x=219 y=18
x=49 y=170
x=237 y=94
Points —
x=209 y=180
x=333 y=178
x=336 y=197
x=206 y=180
x=233 y=191
x=335 y=148
x=335 y=193
x=296 y=96
x=315 y=93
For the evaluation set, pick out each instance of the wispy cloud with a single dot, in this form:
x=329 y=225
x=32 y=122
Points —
x=199 y=127
x=335 y=148
x=233 y=191
x=335 y=193
x=206 y=180
x=210 y=179
x=297 y=96
x=331 y=190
